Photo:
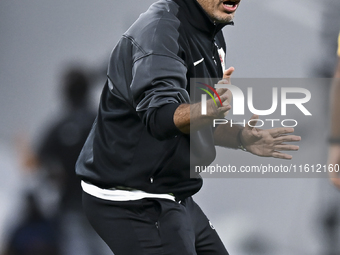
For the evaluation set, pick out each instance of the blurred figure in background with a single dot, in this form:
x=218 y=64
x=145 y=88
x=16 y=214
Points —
x=55 y=158
x=57 y=154
x=35 y=235
x=328 y=218
x=330 y=206
x=334 y=148
x=64 y=139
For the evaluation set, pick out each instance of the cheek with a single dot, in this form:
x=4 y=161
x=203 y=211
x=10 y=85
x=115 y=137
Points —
x=210 y=8
x=218 y=8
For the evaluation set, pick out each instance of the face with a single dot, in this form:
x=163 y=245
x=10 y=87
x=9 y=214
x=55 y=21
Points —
x=220 y=11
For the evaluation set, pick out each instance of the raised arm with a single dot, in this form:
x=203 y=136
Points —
x=264 y=143
x=188 y=116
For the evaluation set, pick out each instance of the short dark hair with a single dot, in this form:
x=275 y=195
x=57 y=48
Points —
x=76 y=86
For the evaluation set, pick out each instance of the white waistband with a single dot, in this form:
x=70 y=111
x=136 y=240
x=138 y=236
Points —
x=120 y=195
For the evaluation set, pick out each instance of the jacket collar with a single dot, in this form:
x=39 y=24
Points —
x=198 y=17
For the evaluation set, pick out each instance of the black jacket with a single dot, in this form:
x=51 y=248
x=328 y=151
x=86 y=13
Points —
x=134 y=142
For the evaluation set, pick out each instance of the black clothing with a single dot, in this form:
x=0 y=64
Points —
x=153 y=226
x=134 y=142
x=59 y=150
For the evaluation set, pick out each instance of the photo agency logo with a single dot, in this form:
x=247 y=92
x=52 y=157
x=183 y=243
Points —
x=280 y=98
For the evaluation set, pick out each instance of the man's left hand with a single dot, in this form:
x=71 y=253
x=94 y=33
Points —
x=268 y=142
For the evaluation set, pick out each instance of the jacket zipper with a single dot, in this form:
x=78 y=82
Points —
x=213 y=49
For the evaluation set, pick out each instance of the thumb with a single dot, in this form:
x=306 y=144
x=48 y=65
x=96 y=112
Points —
x=227 y=73
x=253 y=121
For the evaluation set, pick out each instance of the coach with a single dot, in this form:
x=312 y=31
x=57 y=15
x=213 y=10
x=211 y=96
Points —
x=135 y=165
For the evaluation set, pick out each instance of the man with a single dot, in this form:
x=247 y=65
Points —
x=334 y=148
x=57 y=154
x=135 y=165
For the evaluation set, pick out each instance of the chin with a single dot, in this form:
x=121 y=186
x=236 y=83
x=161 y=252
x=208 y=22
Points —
x=224 y=19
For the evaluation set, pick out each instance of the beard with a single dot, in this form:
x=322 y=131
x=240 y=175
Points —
x=223 y=18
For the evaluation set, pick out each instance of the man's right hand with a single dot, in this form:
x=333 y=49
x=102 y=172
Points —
x=221 y=111
x=187 y=115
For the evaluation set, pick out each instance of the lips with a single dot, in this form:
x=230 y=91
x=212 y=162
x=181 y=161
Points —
x=231 y=6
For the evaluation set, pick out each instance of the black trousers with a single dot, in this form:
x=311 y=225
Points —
x=153 y=226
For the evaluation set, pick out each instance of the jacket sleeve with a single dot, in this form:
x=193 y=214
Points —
x=158 y=88
x=159 y=83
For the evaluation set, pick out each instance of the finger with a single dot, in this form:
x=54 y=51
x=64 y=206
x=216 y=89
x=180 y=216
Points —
x=221 y=91
x=222 y=94
x=224 y=98
x=253 y=121
x=286 y=147
x=223 y=81
x=287 y=138
x=280 y=155
x=227 y=73
x=224 y=108
x=226 y=93
x=275 y=132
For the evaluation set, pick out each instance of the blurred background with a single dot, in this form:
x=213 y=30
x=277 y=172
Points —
x=44 y=43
